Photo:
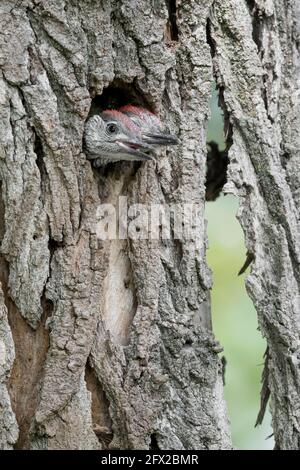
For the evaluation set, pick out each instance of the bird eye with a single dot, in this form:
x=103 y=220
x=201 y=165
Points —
x=112 y=128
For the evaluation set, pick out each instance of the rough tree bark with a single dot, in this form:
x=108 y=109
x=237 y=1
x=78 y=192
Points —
x=256 y=56
x=109 y=344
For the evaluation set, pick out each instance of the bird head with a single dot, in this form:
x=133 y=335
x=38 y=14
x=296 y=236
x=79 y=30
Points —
x=114 y=136
x=151 y=128
x=130 y=133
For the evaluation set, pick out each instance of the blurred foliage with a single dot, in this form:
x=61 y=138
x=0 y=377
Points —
x=234 y=317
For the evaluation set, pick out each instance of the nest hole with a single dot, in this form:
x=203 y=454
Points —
x=119 y=94
x=116 y=95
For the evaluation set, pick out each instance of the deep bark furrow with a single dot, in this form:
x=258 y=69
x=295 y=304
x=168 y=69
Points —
x=260 y=81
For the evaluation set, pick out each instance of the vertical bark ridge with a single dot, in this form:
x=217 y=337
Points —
x=257 y=62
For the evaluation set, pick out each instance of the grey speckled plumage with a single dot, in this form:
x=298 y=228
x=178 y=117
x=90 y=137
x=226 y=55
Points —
x=113 y=136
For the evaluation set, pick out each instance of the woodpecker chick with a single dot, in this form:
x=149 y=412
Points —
x=150 y=126
x=130 y=135
x=112 y=136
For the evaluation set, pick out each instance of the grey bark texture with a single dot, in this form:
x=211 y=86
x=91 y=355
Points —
x=108 y=344
x=256 y=56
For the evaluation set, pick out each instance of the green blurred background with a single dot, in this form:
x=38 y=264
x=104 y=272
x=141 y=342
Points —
x=234 y=317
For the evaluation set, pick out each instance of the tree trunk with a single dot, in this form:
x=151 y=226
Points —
x=108 y=343
x=256 y=55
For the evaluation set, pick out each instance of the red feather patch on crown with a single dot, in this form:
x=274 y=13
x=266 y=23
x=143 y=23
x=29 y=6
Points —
x=125 y=120
x=150 y=119
x=139 y=111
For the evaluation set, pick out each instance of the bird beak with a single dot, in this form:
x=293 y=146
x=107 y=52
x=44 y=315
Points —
x=135 y=149
x=160 y=139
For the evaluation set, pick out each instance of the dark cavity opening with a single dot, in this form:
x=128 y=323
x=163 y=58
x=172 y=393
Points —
x=101 y=421
x=256 y=23
x=217 y=151
x=153 y=442
x=172 y=33
x=116 y=95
